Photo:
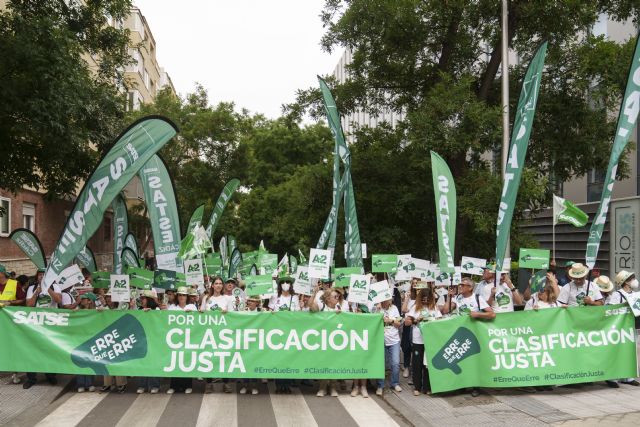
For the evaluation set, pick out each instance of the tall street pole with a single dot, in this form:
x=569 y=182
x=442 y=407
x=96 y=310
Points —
x=505 y=100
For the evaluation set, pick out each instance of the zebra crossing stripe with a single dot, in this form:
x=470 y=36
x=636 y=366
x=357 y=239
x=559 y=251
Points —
x=218 y=409
x=71 y=412
x=291 y=409
x=366 y=412
x=152 y=406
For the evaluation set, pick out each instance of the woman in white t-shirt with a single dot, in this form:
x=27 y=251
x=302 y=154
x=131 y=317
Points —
x=424 y=310
x=216 y=300
x=392 y=321
x=544 y=298
x=285 y=300
x=329 y=301
x=178 y=383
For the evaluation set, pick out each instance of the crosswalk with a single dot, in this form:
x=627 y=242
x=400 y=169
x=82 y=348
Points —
x=300 y=408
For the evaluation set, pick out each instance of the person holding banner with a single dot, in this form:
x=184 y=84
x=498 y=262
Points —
x=181 y=384
x=502 y=296
x=424 y=310
x=329 y=301
x=578 y=291
x=544 y=298
x=85 y=382
x=391 y=319
x=148 y=302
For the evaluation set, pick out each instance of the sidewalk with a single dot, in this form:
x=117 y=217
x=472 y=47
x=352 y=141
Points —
x=566 y=406
x=15 y=400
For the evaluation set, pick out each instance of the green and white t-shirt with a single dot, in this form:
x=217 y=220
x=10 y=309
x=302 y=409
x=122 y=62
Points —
x=573 y=295
x=503 y=299
x=464 y=306
x=427 y=315
x=44 y=299
x=284 y=303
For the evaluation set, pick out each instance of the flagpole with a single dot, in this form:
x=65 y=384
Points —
x=553 y=228
x=505 y=99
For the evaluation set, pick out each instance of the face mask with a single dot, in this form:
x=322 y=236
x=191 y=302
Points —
x=634 y=284
x=286 y=287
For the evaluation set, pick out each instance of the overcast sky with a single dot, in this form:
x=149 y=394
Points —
x=255 y=53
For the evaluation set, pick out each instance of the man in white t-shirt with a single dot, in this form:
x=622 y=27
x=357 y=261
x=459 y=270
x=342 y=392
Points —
x=502 y=296
x=36 y=297
x=578 y=291
x=488 y=277
x=468 y=303
x=391 y=319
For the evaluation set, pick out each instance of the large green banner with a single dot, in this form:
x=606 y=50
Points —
x=30 y=245
x=519 y=143
x=160 y=198
x=627 y=119
x=223 y=199
x=532 y=348
x=120 y=230
x=191 y=344
x=126 y=157
x=444 y=190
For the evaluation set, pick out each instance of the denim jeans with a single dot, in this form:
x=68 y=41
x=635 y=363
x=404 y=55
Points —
x=84 y=381
x=148 y=382
x=392 y=357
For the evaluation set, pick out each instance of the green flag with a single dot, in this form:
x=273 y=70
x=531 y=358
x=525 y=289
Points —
x=565 y=211
x=196 y=218
x=223 y=199
x=303 y=259
x=160 y=199
x=124 y=159
x=101 y=279
x=518 y=151
x=444 y=190
x=132 y=243
x=194 y=244
x=120 y=230
x=258 y=285
x=86 y=258
x=129 y=258
x=235 y=262
x=30 y=245
x=626 y=123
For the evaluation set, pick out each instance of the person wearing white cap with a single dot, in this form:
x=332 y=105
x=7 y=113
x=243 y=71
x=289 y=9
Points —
x=578 y=291
x=627 y=284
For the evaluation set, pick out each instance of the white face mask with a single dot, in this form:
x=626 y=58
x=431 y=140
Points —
x=634 y=284
x=286 y=287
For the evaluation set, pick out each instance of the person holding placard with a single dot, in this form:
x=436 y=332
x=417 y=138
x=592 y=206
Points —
x=501 y=296
x=424 y=310
x=392 y=321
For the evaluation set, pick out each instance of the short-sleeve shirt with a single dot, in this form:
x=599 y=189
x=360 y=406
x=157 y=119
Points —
x=284 y=303
x=427 y=316
x=176 y=307
x=67 y=299
x=464 y=306
x=221 y=302
x=573 y=295
x=502 y=300
x=618 y=297
x=391 y=334
x=44 y=299
x=535 y=300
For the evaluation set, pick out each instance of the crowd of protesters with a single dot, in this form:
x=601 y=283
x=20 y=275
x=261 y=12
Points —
x=404 y=346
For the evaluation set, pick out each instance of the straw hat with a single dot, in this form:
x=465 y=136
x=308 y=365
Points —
x=623 y=276
x=578 y=271
x=604 y=283
x=182 y=290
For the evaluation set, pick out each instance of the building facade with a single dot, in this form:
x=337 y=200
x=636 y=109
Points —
x=46 y=218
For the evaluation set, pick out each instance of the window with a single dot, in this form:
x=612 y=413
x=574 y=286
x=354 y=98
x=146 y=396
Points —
x=595 y=182
x=133 y=100
x=29 y=216
x=107 y=229
x=5 y=216
x=145 y=77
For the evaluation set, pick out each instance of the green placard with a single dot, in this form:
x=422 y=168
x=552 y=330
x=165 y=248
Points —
x=269 y=262
x=384 y=263
x=140 y=278
x=342 y=276
x=534 y=258
x=101 y=279
x=532 y=348
x=258 y=285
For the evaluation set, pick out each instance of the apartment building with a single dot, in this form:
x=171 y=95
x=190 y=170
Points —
x=46 y=218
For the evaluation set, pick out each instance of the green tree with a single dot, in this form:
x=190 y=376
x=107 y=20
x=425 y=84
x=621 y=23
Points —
x=438 y=63
x=56 y=109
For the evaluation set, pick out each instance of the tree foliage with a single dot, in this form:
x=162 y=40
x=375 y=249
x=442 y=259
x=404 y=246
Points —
x=438 y=63
x=56 y=109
